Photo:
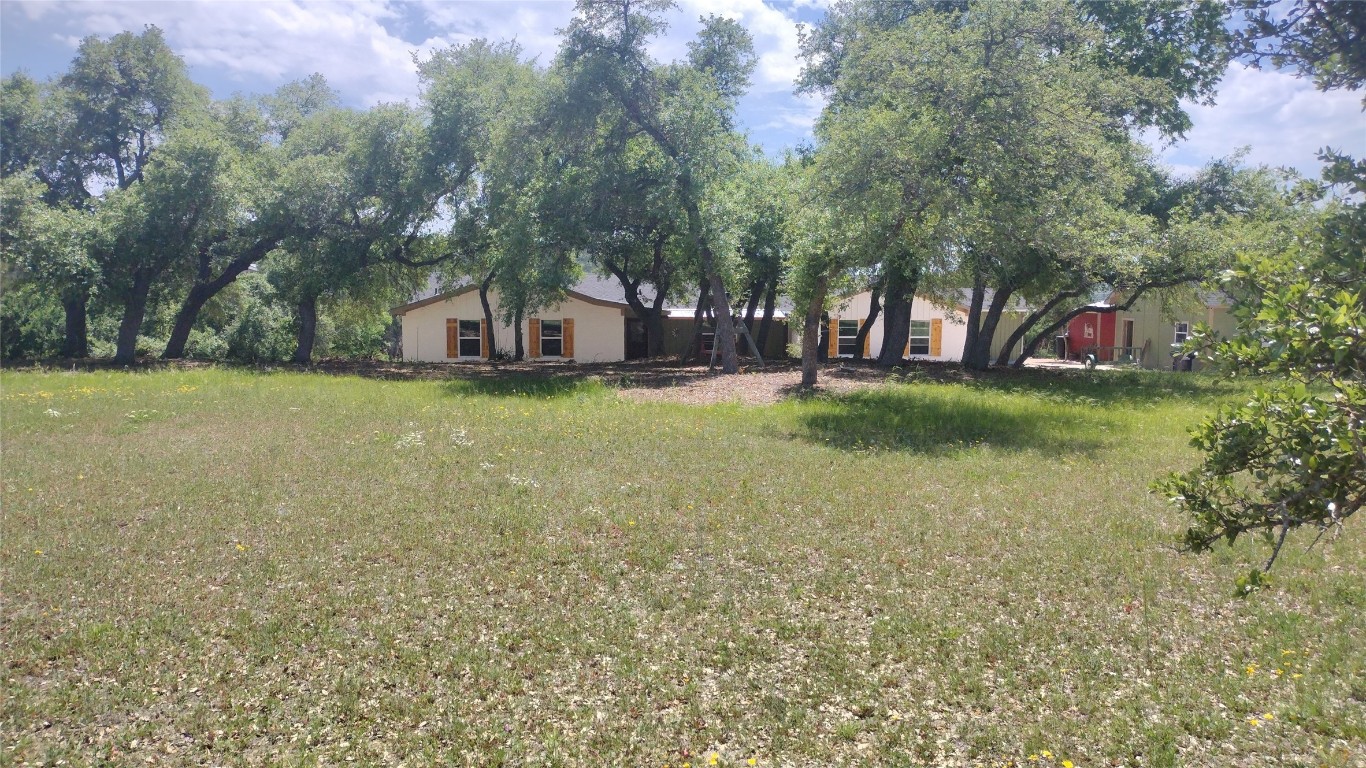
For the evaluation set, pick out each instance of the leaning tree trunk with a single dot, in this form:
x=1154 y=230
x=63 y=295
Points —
x=874 y=309
x=811 y=332
x=488 y=315
x=134 y=310
x=1030 y=321
x=204 y=290
x=308 y=330
x=76 y=341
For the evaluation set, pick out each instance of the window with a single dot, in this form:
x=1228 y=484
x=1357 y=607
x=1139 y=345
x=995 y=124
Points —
x=470 y=340
x=1183 y=332
x=848 y=333
x=552 y=338
x=920 y=337
x=708 y=341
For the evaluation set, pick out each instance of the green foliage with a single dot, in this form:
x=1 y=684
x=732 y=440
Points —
x=1293 y=454
x=30 y=323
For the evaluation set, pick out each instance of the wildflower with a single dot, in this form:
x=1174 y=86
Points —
x=1268 y=716
x=1067 y=764
x=241 y=548
x=1287 y=652
x=1047 y=755
x=1251 y=669
x=1034 y=758
x=1254 y=722
x=712 y=759
x=38 y=552
x=1279 y=672
x=751 y=761
x=630 y=522
x=1296 y=676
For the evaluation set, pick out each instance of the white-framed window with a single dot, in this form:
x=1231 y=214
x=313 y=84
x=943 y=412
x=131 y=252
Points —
x=1088 y=330
x=552 y=338
x=848 y=332
x=920 y=337
x=1183 y=332
x=470 y=339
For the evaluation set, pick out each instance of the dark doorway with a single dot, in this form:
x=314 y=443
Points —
x=637 y=340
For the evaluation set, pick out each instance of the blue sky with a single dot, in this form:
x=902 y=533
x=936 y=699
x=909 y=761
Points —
x=365 y=50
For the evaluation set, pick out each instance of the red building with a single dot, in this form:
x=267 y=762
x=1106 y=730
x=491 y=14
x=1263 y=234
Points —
x=1090 y=331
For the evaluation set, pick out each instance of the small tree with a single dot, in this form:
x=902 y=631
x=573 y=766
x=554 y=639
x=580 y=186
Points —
x=1293 y=455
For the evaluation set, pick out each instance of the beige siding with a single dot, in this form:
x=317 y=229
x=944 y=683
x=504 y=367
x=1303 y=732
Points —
x=1155 y=326
x=599 y=331
x=955 y=329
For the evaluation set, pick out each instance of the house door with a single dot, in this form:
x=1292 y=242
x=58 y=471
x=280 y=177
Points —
x=1128 y=333
x=637 y=339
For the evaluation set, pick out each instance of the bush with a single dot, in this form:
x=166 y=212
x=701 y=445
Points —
x=32 y=323
x=206 y=345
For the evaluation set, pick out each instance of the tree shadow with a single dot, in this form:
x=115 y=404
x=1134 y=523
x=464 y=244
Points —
x=946 y=421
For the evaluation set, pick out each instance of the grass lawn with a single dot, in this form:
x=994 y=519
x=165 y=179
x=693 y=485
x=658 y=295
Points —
x=231 y=567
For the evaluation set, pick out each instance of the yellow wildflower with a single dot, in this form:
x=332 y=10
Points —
x=751 y=761
x=1067 y=764
x=1047 y=755
x=1268 y=716
x=711 y=760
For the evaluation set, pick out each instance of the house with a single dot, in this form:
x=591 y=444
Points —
x=593 y=323
x=1159 y=327
x=1148 y=333
x=938 y=332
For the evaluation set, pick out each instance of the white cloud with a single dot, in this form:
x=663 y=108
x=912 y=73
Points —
x=1283 y=119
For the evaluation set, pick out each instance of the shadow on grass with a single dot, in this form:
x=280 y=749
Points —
x=944 y=421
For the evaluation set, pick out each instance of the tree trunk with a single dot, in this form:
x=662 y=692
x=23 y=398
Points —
x=654 y=326
x=185 y=319
x=1033 y=344
x=725 y=325
x=981 y=353
x=134 y=310
x=752 y=304
x=488 y=315
x=308 y=330
x=1031 y=320
x=770 y=304
x=518 y=350
x=652 y=316
x=703 y=293
x=811 y=332
x=979 y=293
x=874 y=309
x=897 y=321
x=76 y=342
x=205 y=289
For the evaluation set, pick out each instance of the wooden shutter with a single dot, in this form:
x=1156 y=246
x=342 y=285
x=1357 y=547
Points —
x=907 y=353
x=936 y=336
x=534 y=326
x=567 y=343
x=484 y=339
x=868 y=339
x=452 y=337
x=834 y=347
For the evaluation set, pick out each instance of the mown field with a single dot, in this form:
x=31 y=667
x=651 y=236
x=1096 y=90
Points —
x=242 y=568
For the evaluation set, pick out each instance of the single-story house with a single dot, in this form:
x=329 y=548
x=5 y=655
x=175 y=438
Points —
x=937 y=332
x=593 y=323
